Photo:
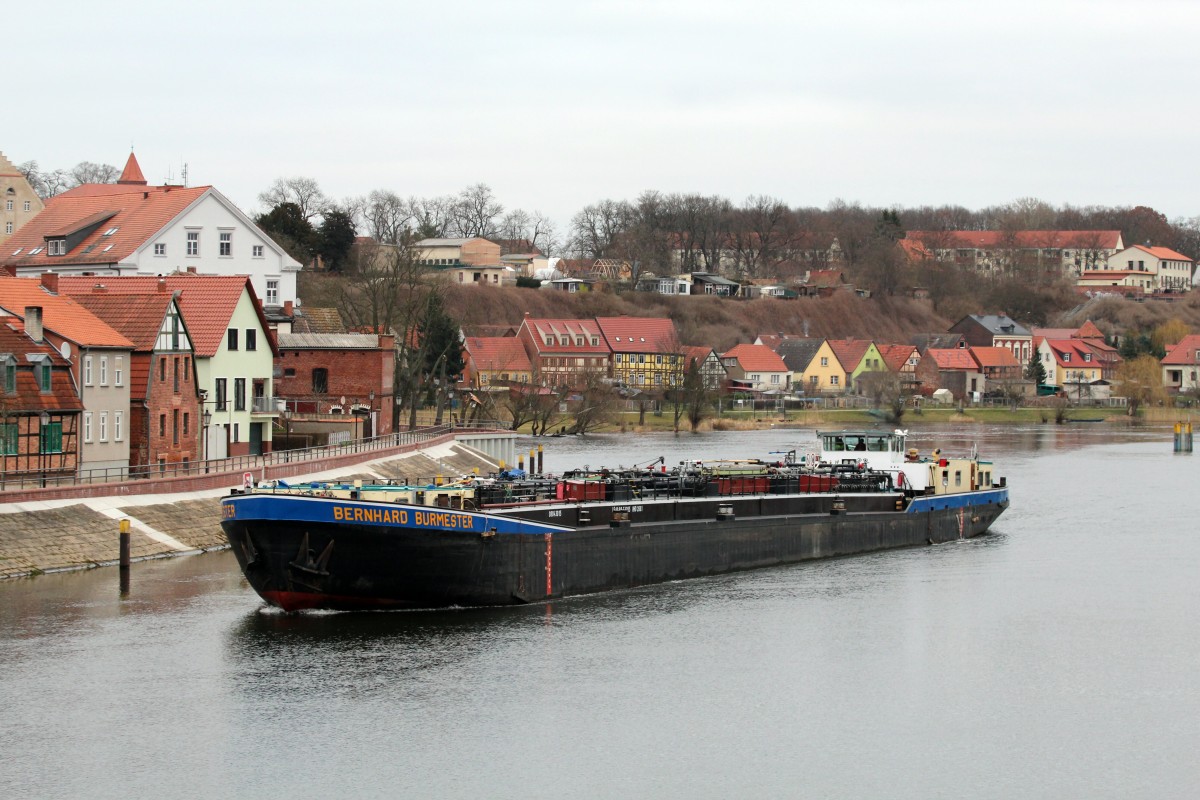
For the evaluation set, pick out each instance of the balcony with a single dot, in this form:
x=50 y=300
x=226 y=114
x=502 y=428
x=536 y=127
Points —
x=265 y=406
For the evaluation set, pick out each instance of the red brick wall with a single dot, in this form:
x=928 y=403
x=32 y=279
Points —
x=352 y=374
x=150 y=440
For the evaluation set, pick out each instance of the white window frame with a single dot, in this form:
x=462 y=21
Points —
x=193 y=243
x=87 y=371
x=272 y=298
x=87 y=426
x=160 y=249
x=104 y=426
x=28 y=205
x=256 y=251
x=118 y=417
x=119 y=371
x=225 y=244
x=104 y=370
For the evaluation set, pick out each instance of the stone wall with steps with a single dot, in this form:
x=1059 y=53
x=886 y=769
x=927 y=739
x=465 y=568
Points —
x=79 y=534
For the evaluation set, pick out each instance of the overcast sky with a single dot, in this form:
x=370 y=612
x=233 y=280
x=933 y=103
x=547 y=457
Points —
x=557 y=105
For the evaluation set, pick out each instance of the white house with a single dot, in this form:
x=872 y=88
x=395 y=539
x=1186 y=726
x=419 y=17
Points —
x=131 y=228
x=1162 y=267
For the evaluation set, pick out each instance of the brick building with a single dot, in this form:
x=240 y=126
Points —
x=337 y=382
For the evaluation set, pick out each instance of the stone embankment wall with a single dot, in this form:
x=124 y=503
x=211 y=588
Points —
x=77 y=533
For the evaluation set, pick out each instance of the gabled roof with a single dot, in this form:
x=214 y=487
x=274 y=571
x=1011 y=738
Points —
x=797 y=353
x=639 y=334
x=849 y=351
x=694 y=353
x=956 y=359
x=1185 y=353
x=138 y=317
x=136 y=212
x=994 y=357
x=756 y=358
x=555 y=328
x=497 y=353
x=207 y=302
x=896 y=356
x=29 y=397
x=938 y=341
x=1088 y=330
x=1163 y=253
x=1077 y=349
x=997 y=324
x=60 y=314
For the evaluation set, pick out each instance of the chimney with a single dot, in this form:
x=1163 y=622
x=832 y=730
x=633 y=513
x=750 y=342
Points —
x=50 y=282
x=162 y=284
x=288 y=308
x=33 y=322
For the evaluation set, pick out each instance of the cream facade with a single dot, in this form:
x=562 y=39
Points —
x=238 y=387
x=19 y=203
x=457 y=252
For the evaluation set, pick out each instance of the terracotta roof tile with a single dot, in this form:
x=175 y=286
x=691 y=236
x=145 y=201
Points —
x=138 y=213
x=996 y=357
x=639 y=334
x=207 y=302
x=60 y=314
x=756 y=358
x=958 y=358
x=132 y=174
x=849 y=351
x=494 y=353
x=1186 y=352
x=896 y=356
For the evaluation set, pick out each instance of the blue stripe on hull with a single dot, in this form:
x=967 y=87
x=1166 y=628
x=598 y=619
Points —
x=920 y=505
x=385 y=515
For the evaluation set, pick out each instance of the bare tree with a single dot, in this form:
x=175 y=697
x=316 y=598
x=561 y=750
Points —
x=89 y=172
x=432 y=217
x=44 y=183
x=387 y=216
x=304 y=192
x=597 y=228
x=476 y=212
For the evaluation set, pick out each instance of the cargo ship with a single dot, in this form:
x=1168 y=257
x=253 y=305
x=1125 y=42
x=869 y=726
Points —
x=515 y=538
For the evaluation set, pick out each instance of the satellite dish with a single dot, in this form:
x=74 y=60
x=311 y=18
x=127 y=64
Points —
x=66 y=349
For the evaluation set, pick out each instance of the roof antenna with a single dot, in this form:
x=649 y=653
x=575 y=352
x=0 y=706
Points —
x=184 y=174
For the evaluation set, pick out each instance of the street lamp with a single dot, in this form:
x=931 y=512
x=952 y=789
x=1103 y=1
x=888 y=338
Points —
x=206 y=418
x=43 y=443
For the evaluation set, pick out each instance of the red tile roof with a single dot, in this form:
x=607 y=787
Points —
x=29 y=397
x=571 y=328
x=138 y=317
x=1186 y=352
x=132 y=174
x=639 y=334
x=498 y=353
x=956 y=359
x=136 y=212
x=995 y=357
x=896 y=356
x=60 y=314
x=698 y=354
x=207 y=302
x=1078 y=349
x=1163 y=253
x=756 y=358
x=849 y=352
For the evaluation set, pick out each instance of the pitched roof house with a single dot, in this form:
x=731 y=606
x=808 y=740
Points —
x=1181 y=365
x=39 y=409
x=132 y=228
x=100 y=359
x=493 y=362
x=234 y=352
x=645 y=350
x=565 y=352
x=758 y=367
x=815 y=366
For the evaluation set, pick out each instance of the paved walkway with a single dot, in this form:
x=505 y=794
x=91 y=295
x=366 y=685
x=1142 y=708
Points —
x=54 y=535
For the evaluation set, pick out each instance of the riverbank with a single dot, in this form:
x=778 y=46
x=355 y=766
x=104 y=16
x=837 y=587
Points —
x=54 y=535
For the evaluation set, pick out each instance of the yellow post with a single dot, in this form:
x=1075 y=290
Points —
x=123 y=527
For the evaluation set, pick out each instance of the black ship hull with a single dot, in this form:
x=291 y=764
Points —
x=296 y=555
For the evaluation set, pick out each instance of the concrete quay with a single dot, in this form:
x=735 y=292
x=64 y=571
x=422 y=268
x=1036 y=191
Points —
x=54 y=535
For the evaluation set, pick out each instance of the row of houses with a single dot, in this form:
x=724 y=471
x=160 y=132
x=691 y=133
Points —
x=980 y=353
x=112 y=375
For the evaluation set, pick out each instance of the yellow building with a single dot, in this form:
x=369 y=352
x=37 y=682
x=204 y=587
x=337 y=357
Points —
x=19 y=203
x=814 y=365
x=645 y=350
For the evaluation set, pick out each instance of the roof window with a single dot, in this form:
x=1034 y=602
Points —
x=110 y=231
x=35 y=251
x=17 y=252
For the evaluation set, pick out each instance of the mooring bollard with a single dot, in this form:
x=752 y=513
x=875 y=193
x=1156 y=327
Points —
x=124 y=558
x=1183 y=437
x=540 y=463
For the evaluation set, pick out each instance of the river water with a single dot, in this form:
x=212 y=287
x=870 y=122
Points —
x=1057 y=657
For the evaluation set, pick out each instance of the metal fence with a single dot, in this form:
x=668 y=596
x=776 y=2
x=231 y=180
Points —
x=26 y=479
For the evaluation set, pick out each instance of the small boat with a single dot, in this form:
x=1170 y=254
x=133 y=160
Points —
x=519 y=538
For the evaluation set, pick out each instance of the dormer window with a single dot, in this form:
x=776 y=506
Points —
x=1087 y=356
x=1066 y=358
x=56 y=247
x=10 y=373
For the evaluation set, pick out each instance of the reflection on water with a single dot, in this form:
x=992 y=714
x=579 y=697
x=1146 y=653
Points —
x=1055 y=657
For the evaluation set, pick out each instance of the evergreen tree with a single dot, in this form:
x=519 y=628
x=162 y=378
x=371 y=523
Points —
x=335 y=238
x=1035 y=370
x=285 y=223
x=442 y=346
